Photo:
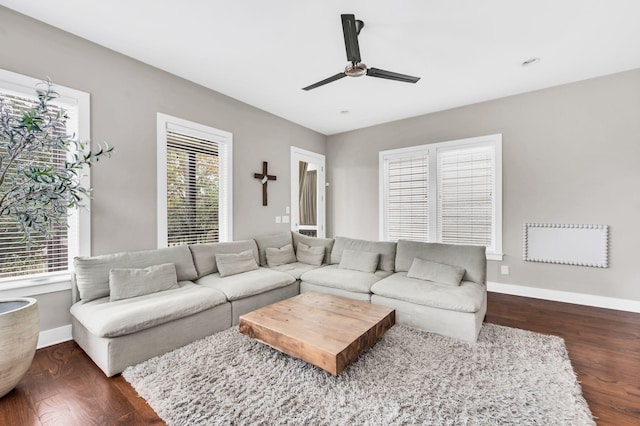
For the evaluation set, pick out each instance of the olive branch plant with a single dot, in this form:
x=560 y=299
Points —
x=34 y=192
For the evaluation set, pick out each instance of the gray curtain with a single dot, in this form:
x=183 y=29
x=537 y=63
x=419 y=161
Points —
x=308 y=199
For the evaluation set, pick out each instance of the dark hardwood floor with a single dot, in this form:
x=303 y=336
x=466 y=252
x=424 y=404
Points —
x=64 y=387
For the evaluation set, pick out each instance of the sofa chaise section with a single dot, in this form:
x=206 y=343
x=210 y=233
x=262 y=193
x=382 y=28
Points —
x=452 y=310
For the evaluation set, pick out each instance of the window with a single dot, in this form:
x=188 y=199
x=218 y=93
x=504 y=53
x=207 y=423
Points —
x=194 y=183
x=449 y=192
x=44 y=260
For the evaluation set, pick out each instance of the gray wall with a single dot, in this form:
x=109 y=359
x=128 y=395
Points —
x=126 y=95
x=570 y=155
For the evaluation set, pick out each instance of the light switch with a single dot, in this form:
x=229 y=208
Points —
x=285 y=219
x=278 y=219
x=286 y=210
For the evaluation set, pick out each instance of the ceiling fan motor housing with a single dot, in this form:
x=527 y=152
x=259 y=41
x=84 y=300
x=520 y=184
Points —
x=355 y=70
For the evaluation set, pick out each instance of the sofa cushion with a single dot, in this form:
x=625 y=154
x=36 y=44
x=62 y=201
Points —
x=112 y=319
x=364 y=261
x=280 y=256
x=248 y=283
x=296 y=269
x=92 y=273
x=327 y=243
x=386 y=249
x=472 y=258
x=310 y=255
x=278 y=240
x=204 y=255
x=437 y=272
x=235 y=263
x=344 y=279
x=467 y=297
x=131 y=282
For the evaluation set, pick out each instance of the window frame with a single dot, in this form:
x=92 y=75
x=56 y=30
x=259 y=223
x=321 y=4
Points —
x=226 y=172
x=78 y=103
x=432 y=149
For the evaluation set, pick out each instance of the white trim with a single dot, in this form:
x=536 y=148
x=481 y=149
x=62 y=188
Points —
x=201 y=131
x=432 y=149
x=54 y=336
x=32 y=287
x=297 y=155
x=78 y=105
x=566 y=297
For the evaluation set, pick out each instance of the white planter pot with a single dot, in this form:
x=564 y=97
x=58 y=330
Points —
x=19 y=328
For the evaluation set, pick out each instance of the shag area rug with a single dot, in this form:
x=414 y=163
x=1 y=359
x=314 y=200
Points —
x=509 y=376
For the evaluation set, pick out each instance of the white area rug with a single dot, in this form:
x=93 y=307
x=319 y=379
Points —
x=509 y=376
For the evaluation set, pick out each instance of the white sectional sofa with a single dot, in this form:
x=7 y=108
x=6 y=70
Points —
x=129 y=307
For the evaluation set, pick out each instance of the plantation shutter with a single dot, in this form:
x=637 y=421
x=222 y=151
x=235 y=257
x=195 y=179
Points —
x=466 y=182
x=193 y=186
x=41 y=255
x=406 y=197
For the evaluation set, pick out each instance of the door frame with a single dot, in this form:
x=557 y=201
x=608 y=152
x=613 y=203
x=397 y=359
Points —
x=297 y=155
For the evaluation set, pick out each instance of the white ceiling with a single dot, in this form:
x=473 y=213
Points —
x=263 y=52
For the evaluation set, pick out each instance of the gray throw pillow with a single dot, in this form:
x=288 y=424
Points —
x=358 y=260
x=125 y=283
x=436 y=272
x=280 y=256
x=310 y=255
x=235 y=263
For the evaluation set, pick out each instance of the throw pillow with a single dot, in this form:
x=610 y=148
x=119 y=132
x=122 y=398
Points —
x=280 y=256
x=437 y=272
x=125 y=283
x=358 y=260
x=310 y=255
x=235 y=263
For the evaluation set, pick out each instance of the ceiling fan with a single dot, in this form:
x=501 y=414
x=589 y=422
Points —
x=351 y=27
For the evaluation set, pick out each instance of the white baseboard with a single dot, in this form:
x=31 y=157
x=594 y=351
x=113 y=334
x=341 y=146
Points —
x=566 y=297
x=54 y=336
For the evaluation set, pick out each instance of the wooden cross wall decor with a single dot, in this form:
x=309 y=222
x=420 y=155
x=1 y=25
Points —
x=264 y=177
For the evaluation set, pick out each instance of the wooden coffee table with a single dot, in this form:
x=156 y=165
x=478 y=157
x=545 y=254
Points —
x=324 y=330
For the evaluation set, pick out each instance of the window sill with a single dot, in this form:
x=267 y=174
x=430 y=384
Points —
x=495 y=256
x=24 y=287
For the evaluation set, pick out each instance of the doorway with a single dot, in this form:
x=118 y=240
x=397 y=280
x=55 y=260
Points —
x=308 y=192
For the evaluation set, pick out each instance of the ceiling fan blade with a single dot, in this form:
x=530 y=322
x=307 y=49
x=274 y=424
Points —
x=325 y=81
x=350 y=30
x=390 y=75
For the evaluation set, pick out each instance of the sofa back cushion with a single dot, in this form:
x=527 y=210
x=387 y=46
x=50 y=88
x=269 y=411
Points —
x=204 y=254
x=92 y=273
x=472 y=258
x=278 y=240
x=327 y=243
x=386 y=250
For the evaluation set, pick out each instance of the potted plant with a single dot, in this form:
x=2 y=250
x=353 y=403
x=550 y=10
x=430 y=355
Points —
x=35 y=198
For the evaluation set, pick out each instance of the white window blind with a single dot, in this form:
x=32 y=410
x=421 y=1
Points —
x=449 y=192
x=406 y=195
x=194 y=183
x=41 y=257
x=466 y=182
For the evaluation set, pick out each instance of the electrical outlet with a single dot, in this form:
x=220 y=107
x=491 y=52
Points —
x=278 y=219
x=285 y=219
x=504 y=269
